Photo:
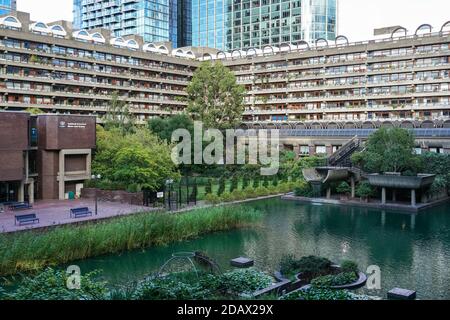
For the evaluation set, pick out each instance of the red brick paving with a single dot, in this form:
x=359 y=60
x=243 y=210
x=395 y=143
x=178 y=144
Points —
x=53 y=213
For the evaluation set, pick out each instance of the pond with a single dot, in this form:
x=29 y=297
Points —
x=412 y=251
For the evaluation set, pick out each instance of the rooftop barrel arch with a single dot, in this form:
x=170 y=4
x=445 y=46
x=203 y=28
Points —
x=233 y=53
x=397 y=30
x=318 y=41
x=447 y=24
x=252 y=52
x=284 y=45
x=423 y=26
x=341 y=37
x=224 y=55
x=268 y=47
x=303 y=42
x=207 y=56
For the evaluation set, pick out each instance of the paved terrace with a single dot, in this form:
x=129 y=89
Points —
x=54 y=213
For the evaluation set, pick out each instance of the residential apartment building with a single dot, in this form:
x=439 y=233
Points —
x=405 y=77
x=56 y=69
x=45 y=156
x=6 y=6
x=402 y=77
x=244 y=24
x=153 y=20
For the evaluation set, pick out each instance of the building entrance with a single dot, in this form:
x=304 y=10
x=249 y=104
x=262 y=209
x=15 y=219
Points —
x=9 y=191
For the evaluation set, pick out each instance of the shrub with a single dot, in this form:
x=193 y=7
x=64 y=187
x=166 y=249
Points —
x=222 y=186
x=190 y=286
x=212 y=198
x=275 y=181
x=317 y=294
x=245 y=281
x=344 y=188
x=303 y=189
x=245 y=182
x=310 y=267
x=173 y=287
x=52 y=285
x=256 y=183
x=262 y=191
x=340 y=279
x=349 y=266
x=209 y=186
x=266 y=183
x=364 y=190
x=227 y=197
x=234 y=184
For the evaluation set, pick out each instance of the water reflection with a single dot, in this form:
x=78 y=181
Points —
x=413 y=251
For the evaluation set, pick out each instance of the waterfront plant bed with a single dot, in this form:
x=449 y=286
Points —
x=322 y=273
x=316 y=294
x=250 y=193
x=33 y=250
x=234 y=285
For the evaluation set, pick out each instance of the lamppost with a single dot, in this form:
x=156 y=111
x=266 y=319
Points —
x=169 y=184
x=96 y=178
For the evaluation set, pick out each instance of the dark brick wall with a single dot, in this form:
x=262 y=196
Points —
x=58 y=132
x=13 y=143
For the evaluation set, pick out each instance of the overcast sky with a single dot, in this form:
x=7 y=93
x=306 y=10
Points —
x=358 y=18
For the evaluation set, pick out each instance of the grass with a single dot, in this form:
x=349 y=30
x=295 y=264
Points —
x=34 y=250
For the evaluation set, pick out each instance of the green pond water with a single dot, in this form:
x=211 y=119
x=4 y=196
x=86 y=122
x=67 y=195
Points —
x=412 y=251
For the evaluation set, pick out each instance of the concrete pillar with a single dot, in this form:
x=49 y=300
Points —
x=297 y=151
x=31 y=192
x=21 y=193
x=394 y=195
x=312 y=150
x=61 y=185
x=329 y=150
x=353 y=185
x=329 y=193
x=413 y=198
x=383 y=196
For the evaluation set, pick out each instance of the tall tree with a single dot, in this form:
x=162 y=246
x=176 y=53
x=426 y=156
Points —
x=164 y=128
x=389 y=150
x=215 y=97
x=118 y=115
x=136 y=160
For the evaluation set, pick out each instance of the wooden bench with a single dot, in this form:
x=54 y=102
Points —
x=20 y=206
x=26 y=219
x=80 y=213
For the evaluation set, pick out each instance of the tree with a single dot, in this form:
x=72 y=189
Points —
x=136 y=160
x=164 y=128
x=209 y=187
x=234 y=183
x=34 y=111
x=214 y=97
x=344 y=188
x=222 y=186
x=118 y=115
x=364 y=190
x=389 y=150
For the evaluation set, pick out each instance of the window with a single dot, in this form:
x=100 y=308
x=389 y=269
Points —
x=321 y=150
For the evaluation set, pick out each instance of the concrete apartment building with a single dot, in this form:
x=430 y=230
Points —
x=312 y=91
x=45 y=156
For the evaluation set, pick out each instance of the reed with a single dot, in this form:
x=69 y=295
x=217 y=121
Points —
x=34 y=250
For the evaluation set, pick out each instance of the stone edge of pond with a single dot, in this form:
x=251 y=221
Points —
x=369 y=205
